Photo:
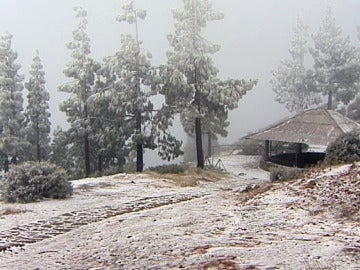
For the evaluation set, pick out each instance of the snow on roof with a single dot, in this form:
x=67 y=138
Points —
x=314 y=127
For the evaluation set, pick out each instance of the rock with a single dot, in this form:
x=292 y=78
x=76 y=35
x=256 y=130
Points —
x=309 y=184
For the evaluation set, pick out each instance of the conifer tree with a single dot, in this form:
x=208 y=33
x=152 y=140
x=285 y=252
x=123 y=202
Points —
x=37 y=110
x=353 y=110
x=336 y=70
x=82 y=70
x=61 y=155
x=11 y=103
x=292 y=81
x=110 y=131
x=133 y=81
x=190 y=78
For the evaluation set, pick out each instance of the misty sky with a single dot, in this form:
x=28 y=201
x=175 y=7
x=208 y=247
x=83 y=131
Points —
x=254 y=36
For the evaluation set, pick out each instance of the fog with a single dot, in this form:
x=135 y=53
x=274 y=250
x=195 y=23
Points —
x=254 y=36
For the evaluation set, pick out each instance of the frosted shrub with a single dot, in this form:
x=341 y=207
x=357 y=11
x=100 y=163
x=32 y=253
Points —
x=33 y=181
x=346 y=149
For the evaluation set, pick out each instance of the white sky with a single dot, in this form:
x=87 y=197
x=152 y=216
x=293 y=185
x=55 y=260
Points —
x=254 y=35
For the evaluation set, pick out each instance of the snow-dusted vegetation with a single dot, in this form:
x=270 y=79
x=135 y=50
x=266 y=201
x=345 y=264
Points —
x=144 y=221
x=217 y=211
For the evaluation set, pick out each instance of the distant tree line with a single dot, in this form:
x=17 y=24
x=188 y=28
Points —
x=110 y=106
x=328 y=71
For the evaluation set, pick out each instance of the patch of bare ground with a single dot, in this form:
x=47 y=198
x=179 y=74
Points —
x=11 y=211
x=251 y=191
x=225 y=263
x=191 y=177
x=228 y=263
x=87 y=187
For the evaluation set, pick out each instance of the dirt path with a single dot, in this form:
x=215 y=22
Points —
x=135 y=222
x=42 y=229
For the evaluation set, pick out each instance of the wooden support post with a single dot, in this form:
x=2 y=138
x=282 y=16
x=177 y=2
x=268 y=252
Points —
x=298 y=152
x=299 y=148
x=267 y=150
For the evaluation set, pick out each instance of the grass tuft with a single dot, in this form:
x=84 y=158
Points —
x=11 y=211
x=191 y=177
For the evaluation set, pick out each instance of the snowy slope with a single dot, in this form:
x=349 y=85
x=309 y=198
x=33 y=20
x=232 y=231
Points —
x=138 y=221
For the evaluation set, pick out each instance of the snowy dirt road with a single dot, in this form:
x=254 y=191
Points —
x=141 y=222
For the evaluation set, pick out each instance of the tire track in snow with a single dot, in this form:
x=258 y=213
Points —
x=42 y=229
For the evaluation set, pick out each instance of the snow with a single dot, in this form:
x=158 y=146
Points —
x=139 y=221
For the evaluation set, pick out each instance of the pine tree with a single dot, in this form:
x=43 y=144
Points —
x=353 y=110
x=110 y=132
x=292 y=81
x=336 y=70
x=60 y=151
x=11 y=103
x=37 y=110
x=190 y=77
x=82 y=70
x=133 y=81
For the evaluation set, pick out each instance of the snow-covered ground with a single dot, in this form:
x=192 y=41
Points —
x=139 y=221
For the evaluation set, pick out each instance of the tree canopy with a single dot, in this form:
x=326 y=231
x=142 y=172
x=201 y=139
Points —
x=190 y=77
x=12 y=143
x=37 y=111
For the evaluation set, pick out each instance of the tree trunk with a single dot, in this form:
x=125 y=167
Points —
x=139 y=145
x=14 y=160
x=38 y=150
x=121 y=163
x=100 y=163
x=330 y=100
x=87 y=154
x=209 y=145
x=199 y=150
x=6 y=164
x=86 y=144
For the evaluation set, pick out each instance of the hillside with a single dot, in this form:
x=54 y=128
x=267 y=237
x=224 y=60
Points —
x=147 y=221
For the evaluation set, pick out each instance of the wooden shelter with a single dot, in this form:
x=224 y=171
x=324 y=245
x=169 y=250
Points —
x=316 y=128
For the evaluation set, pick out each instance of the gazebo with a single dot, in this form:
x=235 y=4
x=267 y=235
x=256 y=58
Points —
x=316 y=128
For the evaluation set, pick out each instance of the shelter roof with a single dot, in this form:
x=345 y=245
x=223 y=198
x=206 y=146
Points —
x=318 y=127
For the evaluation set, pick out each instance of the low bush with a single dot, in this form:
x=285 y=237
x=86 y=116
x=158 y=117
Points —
x=33 y=181
x=346 y=149
x=284 y=173
x=169 y=169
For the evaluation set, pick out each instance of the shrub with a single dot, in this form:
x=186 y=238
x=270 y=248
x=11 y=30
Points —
x=173 y=169
x=346 y=149
x=33 y=181
x=284 y=173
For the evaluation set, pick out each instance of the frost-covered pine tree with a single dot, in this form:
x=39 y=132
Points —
x=292 y=81
x=82 y=70
x=61 y=154
x=353 y=110
x=336 y=69
x=11 y=103
x=133 y=82
x=110 y=131
x=37 y=111
x=190 y=77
